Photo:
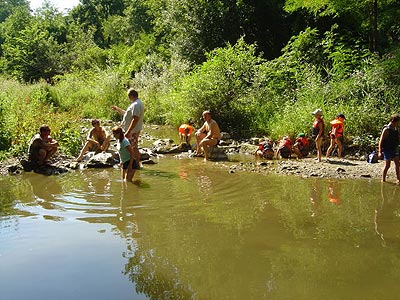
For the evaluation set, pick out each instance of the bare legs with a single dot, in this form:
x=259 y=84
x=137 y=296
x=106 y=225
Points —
x=204 y=144
x=396 y=166
x=318 y=144
x=332 y=145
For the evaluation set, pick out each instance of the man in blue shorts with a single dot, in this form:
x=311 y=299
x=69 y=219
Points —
x=388 y=146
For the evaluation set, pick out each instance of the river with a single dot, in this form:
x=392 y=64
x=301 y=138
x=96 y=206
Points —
x=189 y=229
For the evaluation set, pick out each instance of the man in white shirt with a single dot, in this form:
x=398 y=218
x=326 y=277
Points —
x=132 y=121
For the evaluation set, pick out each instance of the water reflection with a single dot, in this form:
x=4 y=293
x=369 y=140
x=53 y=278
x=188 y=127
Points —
x=196 y=232
x=387 y=214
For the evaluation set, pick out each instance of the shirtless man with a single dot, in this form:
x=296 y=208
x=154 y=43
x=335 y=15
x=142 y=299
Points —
x=208 y=135
x=97 y=140
x=42 y=147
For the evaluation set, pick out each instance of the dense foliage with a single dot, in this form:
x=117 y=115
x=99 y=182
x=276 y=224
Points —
x=260 y=66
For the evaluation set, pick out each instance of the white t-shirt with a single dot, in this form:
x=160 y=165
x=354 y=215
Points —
x=135 y=109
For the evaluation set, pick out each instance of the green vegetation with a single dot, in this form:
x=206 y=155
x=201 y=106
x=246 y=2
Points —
x=260 y=66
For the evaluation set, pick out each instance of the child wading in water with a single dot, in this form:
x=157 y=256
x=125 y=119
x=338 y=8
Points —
x=388 y=146
x=126 y=154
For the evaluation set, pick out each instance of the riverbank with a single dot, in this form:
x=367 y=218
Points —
x=309 y=167
x=305 y=168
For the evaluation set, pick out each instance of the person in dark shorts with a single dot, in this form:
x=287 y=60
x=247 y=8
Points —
x=126 y=154
x=389 y=146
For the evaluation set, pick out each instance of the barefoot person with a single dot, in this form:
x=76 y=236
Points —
x=208 y=135
x=388 y=146
x=336 y=135
x=318 y=132
x=132 y=121
x=185 y=132
x=126 y=154
x=97 y=140
x=42 y=147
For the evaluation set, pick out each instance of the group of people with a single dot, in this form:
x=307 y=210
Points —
x=388 y=147
x=42 y=146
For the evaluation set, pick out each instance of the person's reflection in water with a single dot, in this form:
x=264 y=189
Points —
x=334 y=192
x=315 y=196
x=386 y=213
x=100 y=183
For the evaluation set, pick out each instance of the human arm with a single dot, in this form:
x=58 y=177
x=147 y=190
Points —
x=201 y=129
x=118 y=109
x=384 y=135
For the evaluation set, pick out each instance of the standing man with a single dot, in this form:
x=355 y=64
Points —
x=132 y=121
x=208 y=135
x=388 y=146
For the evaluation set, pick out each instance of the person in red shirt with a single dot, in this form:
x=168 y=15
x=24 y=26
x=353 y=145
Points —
x=300 y=146
x=284 y=148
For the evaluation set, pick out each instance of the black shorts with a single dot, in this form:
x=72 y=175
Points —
x=125 y=165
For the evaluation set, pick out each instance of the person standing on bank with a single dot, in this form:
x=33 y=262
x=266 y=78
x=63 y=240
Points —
x=132 y=121
x=388 y=146
x=336 y=135
x=318 y=132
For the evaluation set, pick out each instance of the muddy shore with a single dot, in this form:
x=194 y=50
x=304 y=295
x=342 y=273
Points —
x=309 y=167
x=306 y=167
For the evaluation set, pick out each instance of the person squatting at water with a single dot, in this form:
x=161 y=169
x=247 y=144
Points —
x=97 y=140
x=207 y=136
x=336 y=135
x=318 y=130
x=265 y=149
x=284 y=148
x=389 y=146
x=301 y=145
x=126 y=154
x=42 y=147
x=185 y=132
x=132 y=121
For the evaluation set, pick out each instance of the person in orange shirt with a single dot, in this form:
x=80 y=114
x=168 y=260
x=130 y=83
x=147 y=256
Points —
x=185 y=132
x=336 y=135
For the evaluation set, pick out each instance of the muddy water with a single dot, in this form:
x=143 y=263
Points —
x=190 y=230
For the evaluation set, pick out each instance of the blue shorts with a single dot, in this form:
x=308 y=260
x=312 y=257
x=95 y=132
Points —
x=389 y=154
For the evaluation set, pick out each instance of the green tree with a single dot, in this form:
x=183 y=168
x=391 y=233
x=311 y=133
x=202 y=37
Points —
x=31 y=49
x=370 y=18
x=92 y=14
